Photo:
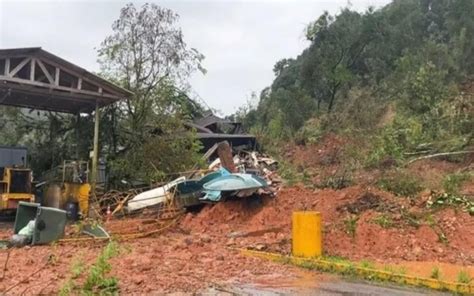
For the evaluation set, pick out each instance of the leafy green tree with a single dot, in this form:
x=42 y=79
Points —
x=409 y=54
x=337 y=44
x=147 y=55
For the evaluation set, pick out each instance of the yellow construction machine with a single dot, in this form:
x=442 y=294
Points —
x=15 y=178
x=15 y=186
x=65 y=187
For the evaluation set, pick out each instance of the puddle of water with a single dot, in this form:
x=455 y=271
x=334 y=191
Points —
x=329 y=288
x=300 y=279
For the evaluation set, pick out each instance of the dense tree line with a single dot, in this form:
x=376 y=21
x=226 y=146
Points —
x=410 y=55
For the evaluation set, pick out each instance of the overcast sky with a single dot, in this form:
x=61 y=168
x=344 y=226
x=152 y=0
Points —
x=241 y=40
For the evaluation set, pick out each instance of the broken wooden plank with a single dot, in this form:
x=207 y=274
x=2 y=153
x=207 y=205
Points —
x=225 y=155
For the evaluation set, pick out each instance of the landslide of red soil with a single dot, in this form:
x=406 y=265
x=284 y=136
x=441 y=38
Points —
x=327 y=152
x=175 y=260
x=237 y=223
x=328 y=156
x=432 y=171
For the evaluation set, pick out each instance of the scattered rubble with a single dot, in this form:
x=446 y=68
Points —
x=234 y=173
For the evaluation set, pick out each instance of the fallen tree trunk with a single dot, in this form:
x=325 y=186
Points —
x=438 y=155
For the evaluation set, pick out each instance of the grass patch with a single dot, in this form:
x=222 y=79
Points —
x=402 y=270
x=97 y=281
x=435 y=273
x=350 y=224
x=336 y=181
x=464 y=277
x=383 y=220
x=337 y=259
x=367 y=264
x=388 y=268
x=293 y=174
x=289 y=173
x=400 y=184
x=452 y=182
x=77 y=269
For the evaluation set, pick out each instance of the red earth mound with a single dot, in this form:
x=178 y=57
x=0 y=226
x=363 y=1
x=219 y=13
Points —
x=386 y=227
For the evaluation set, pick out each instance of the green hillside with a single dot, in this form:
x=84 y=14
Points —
x=394 y=73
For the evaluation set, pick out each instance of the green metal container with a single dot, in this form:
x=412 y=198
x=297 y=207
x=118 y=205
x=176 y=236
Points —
x=49 y=222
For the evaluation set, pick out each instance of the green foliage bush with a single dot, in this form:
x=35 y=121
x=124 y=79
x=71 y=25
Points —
x=337 y=181
x=288 y=172
x=453 y=182
x=400 y=184
x=383 y=220
x=310 y=133
x=404 y=135
x=449 y=199
x=159 y=158
x=385 y=145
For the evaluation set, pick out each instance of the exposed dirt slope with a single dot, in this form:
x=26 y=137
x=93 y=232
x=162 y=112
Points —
x=413 y=234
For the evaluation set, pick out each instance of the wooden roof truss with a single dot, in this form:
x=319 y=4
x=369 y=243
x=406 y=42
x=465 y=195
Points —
x=45 y=81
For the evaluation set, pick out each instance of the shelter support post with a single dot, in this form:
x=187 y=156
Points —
x=95 y=152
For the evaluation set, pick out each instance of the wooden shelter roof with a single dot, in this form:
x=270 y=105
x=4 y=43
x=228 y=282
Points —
x=34 y=78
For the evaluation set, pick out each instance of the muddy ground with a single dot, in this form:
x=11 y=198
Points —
x=197 y=252
x=172 y=261
x=414 y=234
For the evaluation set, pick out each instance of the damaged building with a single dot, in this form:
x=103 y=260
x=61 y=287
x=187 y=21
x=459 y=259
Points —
x=212 y=129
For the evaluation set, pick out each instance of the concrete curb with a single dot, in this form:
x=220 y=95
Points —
x=366 y=273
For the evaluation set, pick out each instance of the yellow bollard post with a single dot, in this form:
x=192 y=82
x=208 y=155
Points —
x=306 y=235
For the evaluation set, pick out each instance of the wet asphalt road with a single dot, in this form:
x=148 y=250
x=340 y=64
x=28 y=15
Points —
x=340 y=287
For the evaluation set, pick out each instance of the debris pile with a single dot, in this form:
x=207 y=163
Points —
x=255 y=163
x=232 y=173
